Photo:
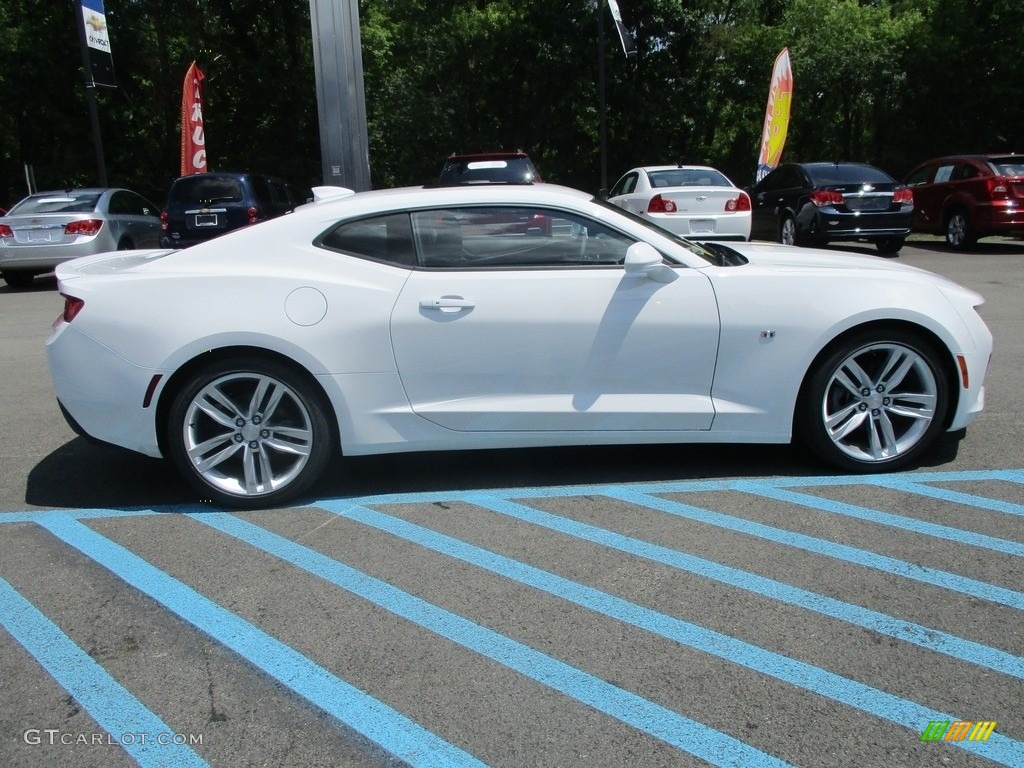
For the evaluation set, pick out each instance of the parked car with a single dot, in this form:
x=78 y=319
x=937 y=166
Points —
x=206 y=205
x=694 y=201
x=396 y=320
x=488 y=168
x=816 y=203
x=966 y=197
x=48 y=228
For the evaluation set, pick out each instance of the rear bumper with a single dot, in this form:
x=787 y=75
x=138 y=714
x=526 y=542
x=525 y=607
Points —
x=828 y=224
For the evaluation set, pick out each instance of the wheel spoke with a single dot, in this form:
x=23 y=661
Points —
x=284 y=446
x=204 y=463
x=896 y=369
x=218 y=407
x=845 y=421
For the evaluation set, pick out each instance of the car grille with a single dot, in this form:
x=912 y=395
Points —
x=868 y=202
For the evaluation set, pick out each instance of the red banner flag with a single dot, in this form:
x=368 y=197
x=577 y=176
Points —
x=193 y=138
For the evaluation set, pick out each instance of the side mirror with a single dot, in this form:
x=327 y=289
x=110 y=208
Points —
x=643 y=259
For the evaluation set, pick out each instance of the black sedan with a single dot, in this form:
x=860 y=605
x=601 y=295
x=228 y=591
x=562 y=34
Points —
x=815 y=203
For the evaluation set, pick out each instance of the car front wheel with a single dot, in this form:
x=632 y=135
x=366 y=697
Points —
x=875 y=403
x=248 y=433
x=787 y=231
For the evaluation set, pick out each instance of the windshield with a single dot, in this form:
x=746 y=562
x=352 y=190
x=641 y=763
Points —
x=1010 y=166
x=57 y=202
x=695 y=248
x=203 y=188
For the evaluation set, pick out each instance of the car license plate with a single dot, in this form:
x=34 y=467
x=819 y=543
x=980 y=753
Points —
x=38 y=236
x=206 y=219
x=702 y=227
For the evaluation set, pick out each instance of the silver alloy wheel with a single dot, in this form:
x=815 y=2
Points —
x=787 y=235
x=957 y=229
x=879 y=402
x=247 y=434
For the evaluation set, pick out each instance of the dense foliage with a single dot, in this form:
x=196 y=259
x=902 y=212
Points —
x=891 y=82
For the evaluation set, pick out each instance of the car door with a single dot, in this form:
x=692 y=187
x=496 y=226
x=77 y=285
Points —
x=502 y=331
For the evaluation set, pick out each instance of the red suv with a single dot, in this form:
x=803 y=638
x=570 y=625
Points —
x=966 y=197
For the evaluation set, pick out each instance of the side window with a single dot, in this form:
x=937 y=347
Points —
x=513 y=236
x=120 y=204
x=382 y=238
x=920 y=176
x=624 y=186
x=943 y=173
x=261 y=189
x=966 y=171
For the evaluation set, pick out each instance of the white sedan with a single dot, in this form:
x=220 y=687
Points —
x=430 y=319
x=694 y=201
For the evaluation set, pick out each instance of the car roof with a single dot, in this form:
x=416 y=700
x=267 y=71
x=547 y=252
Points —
x=485 y=155
x=685 y=167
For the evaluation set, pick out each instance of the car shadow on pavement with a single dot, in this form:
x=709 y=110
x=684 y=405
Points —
x=81 y=475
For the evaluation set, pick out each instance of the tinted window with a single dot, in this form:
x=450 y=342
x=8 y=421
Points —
x=1010 y=166
x=204 y=188
x=513 y=236
x=688 y=177
x=383 y=238
x=512 y=170
x=920 y=176
x=57 y=202
x=625 y=185
x=831 y=173
x=130 y=204
x=261 y=191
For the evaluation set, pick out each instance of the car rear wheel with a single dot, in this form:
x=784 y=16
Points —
x=876 y=402
x=249 y=433
x=787 y=231
x=959 y=233
x=889 y=246
x=18 y=278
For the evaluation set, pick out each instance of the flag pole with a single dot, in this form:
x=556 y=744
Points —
x=602 y=107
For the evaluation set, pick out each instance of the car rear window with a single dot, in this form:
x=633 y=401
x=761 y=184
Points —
x=514 y=170
x=56 y=203
x=202 y=188
x=688 y=177
x=1009 y=166
x=825 y=175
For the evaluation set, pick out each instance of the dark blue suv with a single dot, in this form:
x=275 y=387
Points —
x=205 y=205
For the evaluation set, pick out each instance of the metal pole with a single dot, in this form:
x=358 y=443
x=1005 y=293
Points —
x=602 y=110
x=90 y=98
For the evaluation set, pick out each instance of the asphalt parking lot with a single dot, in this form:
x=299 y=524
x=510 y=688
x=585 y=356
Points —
x=644 y=606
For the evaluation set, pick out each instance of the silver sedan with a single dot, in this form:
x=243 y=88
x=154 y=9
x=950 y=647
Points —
x=48 y=228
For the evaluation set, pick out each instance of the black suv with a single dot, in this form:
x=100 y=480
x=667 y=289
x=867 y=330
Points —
x=488 y=168
x=205 y=205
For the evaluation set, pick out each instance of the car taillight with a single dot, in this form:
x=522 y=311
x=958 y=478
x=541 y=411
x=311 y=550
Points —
x=823 y=197
x=998 y=188
x=165 y=220
x=903 y=195
x=72 y=306
x=253 y=214
x=659 y=204
x=741 y=203
x=6 y=231
x=84 y=227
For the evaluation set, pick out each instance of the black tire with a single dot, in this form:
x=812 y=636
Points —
x=18 y=278
x=960 y=234
x=125 y=244
x=889 y=246
x=247 y=432
x=892 y=418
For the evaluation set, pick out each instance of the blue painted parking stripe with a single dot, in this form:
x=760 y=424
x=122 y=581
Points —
x=144 y=736
x=924 y=637
x=958 y=535
x=382 y=725
x=799 y=674
x=956 y=497
x=932 y=576
x=677 y=730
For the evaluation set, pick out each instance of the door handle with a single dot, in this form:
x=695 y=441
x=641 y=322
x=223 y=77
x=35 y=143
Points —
x=447 y=304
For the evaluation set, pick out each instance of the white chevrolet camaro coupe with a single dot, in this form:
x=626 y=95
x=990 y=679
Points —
x=505 y=316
